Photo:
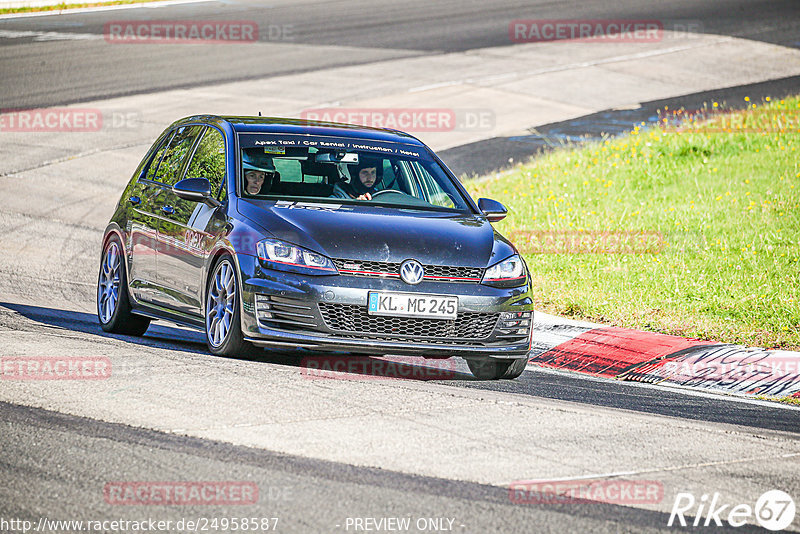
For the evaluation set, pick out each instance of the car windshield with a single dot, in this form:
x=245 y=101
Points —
x=333 y=169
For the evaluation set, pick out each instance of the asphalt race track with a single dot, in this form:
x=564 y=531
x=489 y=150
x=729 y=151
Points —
x=77 y=66
x=326 y=454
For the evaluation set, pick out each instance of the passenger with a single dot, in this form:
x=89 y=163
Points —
x=364 y=181
x=259 y=174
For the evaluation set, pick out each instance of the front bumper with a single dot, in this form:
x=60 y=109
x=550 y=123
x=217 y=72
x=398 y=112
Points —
x=328 y=313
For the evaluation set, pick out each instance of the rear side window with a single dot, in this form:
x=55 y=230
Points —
x=290 y=170
x=209 y=160
x=174 y=158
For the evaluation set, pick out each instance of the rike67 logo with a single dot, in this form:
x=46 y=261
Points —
x=774 y=510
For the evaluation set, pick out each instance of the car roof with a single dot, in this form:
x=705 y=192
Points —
x=281 y=125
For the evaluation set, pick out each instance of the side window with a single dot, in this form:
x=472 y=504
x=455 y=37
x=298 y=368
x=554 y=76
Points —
x=409 y=180
x=388 y=172
x=431 y=191
x=169 y=171
x=156 y=159
x=209 y=160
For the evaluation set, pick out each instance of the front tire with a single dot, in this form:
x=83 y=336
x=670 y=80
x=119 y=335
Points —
x=223 y=316
x=113 y=301
x=496 y=368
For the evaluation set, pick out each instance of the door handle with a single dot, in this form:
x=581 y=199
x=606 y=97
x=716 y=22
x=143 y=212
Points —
x=169 y=210
x=134 y=200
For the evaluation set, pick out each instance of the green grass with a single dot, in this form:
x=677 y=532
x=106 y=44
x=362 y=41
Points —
x=795 y=401
x=62 y=6
x=790 y=400
x=718 y=203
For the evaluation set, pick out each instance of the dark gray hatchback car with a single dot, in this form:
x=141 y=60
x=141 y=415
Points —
x=282 y=233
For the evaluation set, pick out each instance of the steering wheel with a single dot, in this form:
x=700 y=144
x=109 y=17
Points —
x=388 y=191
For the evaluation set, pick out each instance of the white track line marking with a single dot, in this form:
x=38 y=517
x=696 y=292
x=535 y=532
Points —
x=50 y=36
x=571 y=66
x=617 y=474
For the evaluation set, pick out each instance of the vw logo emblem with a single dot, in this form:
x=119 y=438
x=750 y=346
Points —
x=411 y=272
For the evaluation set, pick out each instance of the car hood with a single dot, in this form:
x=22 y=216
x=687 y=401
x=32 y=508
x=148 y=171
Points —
x=375 y=233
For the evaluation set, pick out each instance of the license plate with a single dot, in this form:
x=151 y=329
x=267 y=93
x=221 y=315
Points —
x=412 y=305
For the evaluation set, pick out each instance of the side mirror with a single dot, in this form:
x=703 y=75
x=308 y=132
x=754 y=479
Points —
x=493 y=210
x=195 y=189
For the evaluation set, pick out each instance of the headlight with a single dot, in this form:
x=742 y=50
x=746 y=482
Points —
x=284 y=256
x=508 y=273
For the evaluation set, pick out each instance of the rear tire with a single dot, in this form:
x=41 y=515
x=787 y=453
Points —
x=223 y=316
x=113 y=301
x=497 y=368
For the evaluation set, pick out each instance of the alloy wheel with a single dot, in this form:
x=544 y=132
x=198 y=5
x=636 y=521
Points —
x=220 y=302
x=109 y=283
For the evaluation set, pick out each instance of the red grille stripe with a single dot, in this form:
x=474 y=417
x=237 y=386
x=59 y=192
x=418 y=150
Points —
x=375 y=273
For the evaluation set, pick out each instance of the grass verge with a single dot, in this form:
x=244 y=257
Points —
x=692 y=230
x=790 y=400
x=64 y=6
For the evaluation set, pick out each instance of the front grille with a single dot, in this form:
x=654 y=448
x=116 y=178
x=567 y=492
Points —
x=284 y=313
x=355 y=321
x=442 y=273
x=367 y=266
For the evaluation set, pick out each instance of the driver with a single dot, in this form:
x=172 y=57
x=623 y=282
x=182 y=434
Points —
x=259 y=173
x=364 y=183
